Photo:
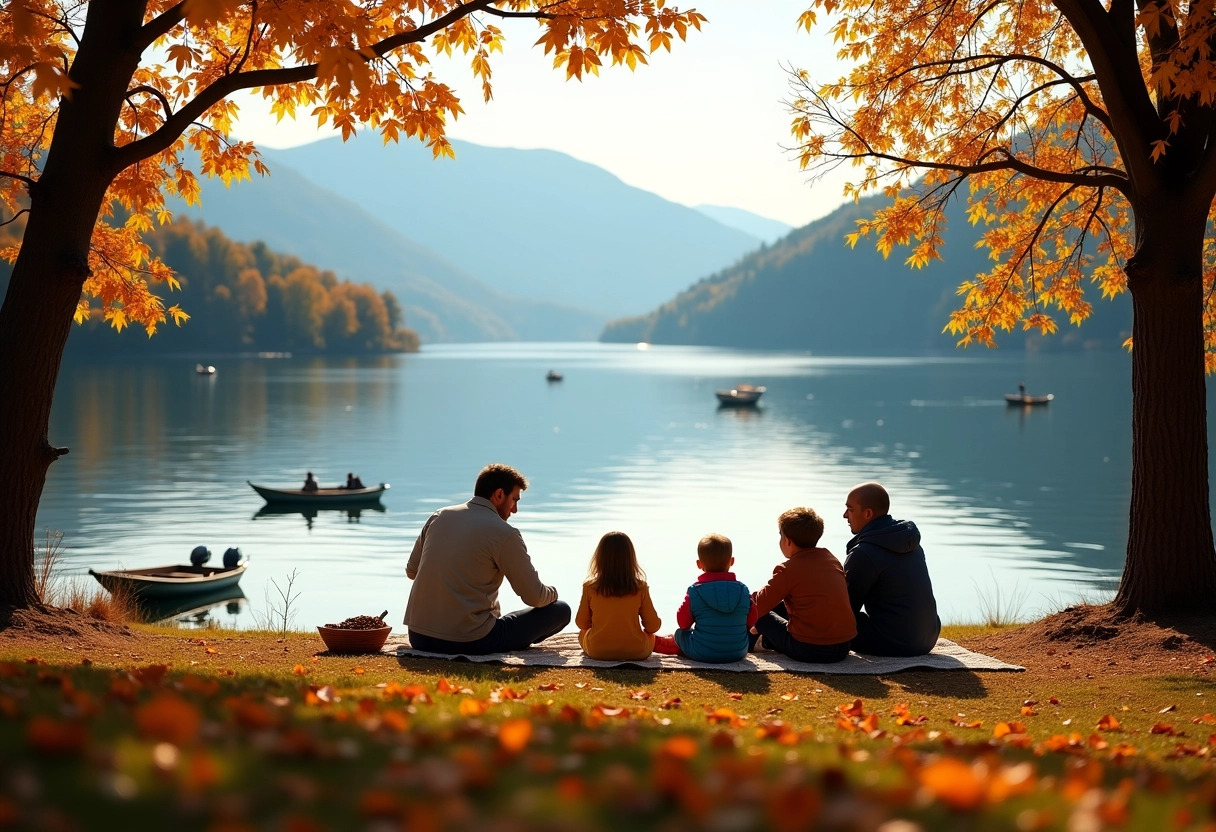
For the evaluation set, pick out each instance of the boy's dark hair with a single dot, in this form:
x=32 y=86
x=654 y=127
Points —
x=496 y=476
x=714 y=552
x=802 y=525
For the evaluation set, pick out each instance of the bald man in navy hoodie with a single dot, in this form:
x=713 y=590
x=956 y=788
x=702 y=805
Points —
x=887 y=575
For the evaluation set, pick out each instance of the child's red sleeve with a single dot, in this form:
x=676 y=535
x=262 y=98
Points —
x=684 y=617
x=752 y=615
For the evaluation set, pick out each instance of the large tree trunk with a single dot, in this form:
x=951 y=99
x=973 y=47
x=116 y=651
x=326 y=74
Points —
x=48 y=276
x=1171 y=563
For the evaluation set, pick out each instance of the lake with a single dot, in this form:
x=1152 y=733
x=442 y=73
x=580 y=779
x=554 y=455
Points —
x=1021 y=504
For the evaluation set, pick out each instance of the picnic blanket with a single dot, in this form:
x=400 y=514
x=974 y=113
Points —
x=562 y=650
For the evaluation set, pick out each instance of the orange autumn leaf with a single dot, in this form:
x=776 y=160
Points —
x=1164 y=728
x=1004 y=729
x=722 y=715
x=514 y=734
x=151 y=675
x=169 y=718
x=954 y=783
x=857 y=708
x=639 y=695
x=394 y=720
x=1108 y=723
x=550 y=686
x=789 y=697
x=56 y=737
x=473 y=707
x=682 y=747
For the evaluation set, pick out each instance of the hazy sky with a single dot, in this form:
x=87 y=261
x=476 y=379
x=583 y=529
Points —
x=704 y=124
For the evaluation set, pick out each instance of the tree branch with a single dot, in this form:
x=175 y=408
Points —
x=220 y=89
x=14 y=217
x=159 y=26
x=164 y=102
x=29 y=183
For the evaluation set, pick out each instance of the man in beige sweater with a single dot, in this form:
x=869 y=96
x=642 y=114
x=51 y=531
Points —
x=458 y=563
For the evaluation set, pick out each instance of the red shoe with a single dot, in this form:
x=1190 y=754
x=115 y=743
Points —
x=666 y=645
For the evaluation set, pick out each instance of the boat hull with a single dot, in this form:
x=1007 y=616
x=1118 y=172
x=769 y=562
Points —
x=738 y=398
x=1015 y=399
x=320 y=497
x=170 y=581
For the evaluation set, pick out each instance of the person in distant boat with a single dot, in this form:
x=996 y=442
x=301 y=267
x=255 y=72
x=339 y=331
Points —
x=353 y=482
x=310 y=484
x=886 y=573
x=459 y=561
x=1022 y=389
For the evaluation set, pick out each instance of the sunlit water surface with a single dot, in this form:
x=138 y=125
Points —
x=1023 y=508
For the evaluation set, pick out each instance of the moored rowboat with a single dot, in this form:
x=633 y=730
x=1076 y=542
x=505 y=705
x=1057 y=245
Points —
x=322 y=496
x=170 y=581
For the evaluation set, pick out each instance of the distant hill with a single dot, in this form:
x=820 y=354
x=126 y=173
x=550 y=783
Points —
x=530 y=223
x=294 y=215
x=810 y=291
x=763 y=228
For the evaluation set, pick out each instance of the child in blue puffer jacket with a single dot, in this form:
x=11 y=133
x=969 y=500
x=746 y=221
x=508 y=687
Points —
x=717 y=611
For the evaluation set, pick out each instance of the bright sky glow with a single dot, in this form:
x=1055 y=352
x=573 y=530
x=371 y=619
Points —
x=704 y=124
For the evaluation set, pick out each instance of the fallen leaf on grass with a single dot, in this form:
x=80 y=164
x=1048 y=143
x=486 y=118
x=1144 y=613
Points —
x=954 y=783
x=514 y=734
x=169 y=718
x=57 y=737
x=1108 y=723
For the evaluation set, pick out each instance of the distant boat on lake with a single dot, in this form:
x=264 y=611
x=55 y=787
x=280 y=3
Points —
x=741 y=395
x=553 y=375
x=1023 y=399
x=204 y=369
x=320 y=497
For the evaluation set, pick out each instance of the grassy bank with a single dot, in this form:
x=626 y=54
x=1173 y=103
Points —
x=219 y=730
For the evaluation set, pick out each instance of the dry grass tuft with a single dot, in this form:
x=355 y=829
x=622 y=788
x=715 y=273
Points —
x=79 y=594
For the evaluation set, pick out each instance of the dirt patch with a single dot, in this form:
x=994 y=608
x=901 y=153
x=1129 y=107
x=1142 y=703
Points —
x=37 y=626
x=1089 y=641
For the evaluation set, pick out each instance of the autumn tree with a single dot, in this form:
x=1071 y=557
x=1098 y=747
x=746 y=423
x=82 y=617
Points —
x=1083 y=136
x=101 y=100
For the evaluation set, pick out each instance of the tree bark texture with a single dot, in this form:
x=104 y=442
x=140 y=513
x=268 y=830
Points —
x=49 y=274
x=1171 y=563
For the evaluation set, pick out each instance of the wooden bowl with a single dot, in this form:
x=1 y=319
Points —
x=354 y=641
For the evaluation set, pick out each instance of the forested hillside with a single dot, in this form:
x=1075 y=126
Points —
x=810 y=291
x=247 y=298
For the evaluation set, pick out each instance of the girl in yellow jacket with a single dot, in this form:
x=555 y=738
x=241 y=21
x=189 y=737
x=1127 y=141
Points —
x=616 y=618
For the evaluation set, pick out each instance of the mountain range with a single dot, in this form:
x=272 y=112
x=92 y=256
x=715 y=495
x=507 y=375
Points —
x=810 y=291
x=497 y=244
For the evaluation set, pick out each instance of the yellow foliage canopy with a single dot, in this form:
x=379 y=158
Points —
x=1042 y=115
x=346 y=64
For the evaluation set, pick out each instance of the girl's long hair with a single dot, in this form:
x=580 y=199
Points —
x=614 y=569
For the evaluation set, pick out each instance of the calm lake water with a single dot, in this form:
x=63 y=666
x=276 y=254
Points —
x=1013 y=503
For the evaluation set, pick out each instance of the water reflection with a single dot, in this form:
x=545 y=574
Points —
x=221 y=607
x=353 y=513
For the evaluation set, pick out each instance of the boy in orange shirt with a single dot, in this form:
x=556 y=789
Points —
x=804 y=609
